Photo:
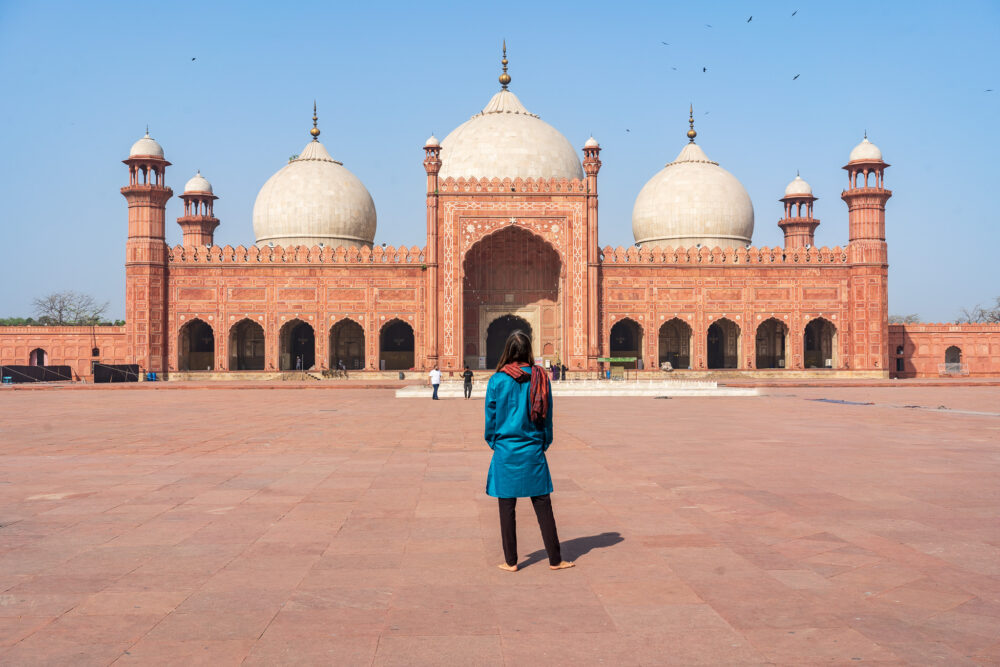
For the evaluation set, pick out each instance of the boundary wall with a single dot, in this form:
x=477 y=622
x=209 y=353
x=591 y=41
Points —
x=72 y=346
x=921 y=350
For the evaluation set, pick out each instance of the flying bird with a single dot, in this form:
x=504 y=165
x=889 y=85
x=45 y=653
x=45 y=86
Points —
x=665 y=43
x=704 y=69
x=193 y=59
x=795 y=12
x=674 y=68
x=627 y=130
x=750 y=19
x=796 y=76
x=988 y=90
x=708 y=25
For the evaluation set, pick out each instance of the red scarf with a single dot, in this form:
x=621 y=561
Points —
x=539 y=396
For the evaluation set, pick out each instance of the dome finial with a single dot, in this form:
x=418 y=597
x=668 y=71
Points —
x=691 y=133
x=315 y=130
x=504 y=78
x=147 y=129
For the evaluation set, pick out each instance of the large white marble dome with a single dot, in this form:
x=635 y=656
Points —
x=314 y=200
x=505 y=140
x=693 y=201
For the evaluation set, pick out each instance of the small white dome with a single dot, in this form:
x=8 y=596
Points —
x=866 y=151
x=198 y=183
x=505 y=140
x=798 y=187
x=591 y=143
x=693 y=201
x=146 y=146
x=313 y=200
x=432 y=141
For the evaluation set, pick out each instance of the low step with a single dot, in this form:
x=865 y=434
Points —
x=592 y=388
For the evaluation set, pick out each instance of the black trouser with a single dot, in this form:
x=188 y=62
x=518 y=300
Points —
x=468 y=389
x=547 y=523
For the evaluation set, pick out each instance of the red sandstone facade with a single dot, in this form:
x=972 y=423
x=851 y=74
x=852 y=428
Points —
x=502 y=254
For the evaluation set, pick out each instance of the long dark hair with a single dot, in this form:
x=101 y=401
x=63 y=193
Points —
x=516 y=349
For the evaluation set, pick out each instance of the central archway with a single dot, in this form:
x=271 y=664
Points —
x=297 y=346
x=511 y=272
x=497 y=333
x=626 y=341
x=772 y=338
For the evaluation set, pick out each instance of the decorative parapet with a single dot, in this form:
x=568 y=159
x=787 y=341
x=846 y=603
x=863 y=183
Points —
x=73 y=329
x=508 y=185
x=724 y=257
x=295 y=255
x=946 y=327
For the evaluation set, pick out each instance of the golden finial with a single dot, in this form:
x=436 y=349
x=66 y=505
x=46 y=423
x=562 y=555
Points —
x=691 y=133
x=315 y=131
x=504 y=78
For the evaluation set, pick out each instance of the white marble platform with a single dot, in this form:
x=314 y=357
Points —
x=453 y=389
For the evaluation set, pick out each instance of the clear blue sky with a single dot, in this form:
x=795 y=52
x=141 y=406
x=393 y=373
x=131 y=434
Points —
x=80 y=80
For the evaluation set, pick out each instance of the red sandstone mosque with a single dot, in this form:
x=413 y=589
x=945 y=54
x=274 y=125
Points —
x=512 y=243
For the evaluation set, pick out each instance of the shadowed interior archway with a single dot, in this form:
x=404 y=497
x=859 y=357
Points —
x=396 y=345
x=626 y=341
x=296 y=346
x=820 y=344
x=675 y=343
x=347 y=344
x=723 y=339
x=38 y=357
x=772 y=336
x=511 y=272
x=196 y=346
x=246 y=346
x=497 y=333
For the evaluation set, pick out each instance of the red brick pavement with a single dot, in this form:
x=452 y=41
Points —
x=313 y=527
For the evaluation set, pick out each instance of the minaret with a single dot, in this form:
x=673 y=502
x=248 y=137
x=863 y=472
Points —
x=799 y=229
x=866 y=198
x=868 y=255
x=146 y=256
x=432 y=165
x=592 y=165
x=198 y=222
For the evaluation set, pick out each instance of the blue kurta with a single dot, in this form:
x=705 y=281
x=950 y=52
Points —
x=518 y=468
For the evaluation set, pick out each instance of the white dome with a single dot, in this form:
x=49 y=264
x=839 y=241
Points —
x=505 y=140
x=314 y=200
x=693 y=201
x=198 y=183
x=146 y=146
x=432 y=141
x=591 y=143
x=798 y=187
x=866 y=151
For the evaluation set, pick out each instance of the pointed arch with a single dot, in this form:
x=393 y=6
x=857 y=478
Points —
x=626 y=339
x=723 y=344
x=246 y=346
x=819 y=344
x=38 y=357
x=196 y=346
x=396 y=349
x=347 y=345
x=675 y=343
x=771 y=343
x=296 y=346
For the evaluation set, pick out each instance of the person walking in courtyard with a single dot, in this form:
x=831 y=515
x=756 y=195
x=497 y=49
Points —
x=467 y=377
x=519 y=431
x=434 y=378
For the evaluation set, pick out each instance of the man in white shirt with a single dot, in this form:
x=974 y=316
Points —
x=435 y=381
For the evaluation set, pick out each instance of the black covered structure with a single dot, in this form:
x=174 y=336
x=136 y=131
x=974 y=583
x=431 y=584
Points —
x=116 y=372
x=18 y=374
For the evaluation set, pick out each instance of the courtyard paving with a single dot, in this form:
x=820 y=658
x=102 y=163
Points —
x=290 y=526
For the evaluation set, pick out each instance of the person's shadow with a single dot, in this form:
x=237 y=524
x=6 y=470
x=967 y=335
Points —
x=575 y=548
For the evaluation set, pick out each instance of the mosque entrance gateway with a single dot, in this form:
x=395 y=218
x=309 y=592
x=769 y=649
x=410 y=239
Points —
x=246 y=346
x=497 y=333
x=196 y=346
x=511 y=273
x=297 y=346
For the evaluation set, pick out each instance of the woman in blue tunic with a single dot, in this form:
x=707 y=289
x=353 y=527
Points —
x=519 y=430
